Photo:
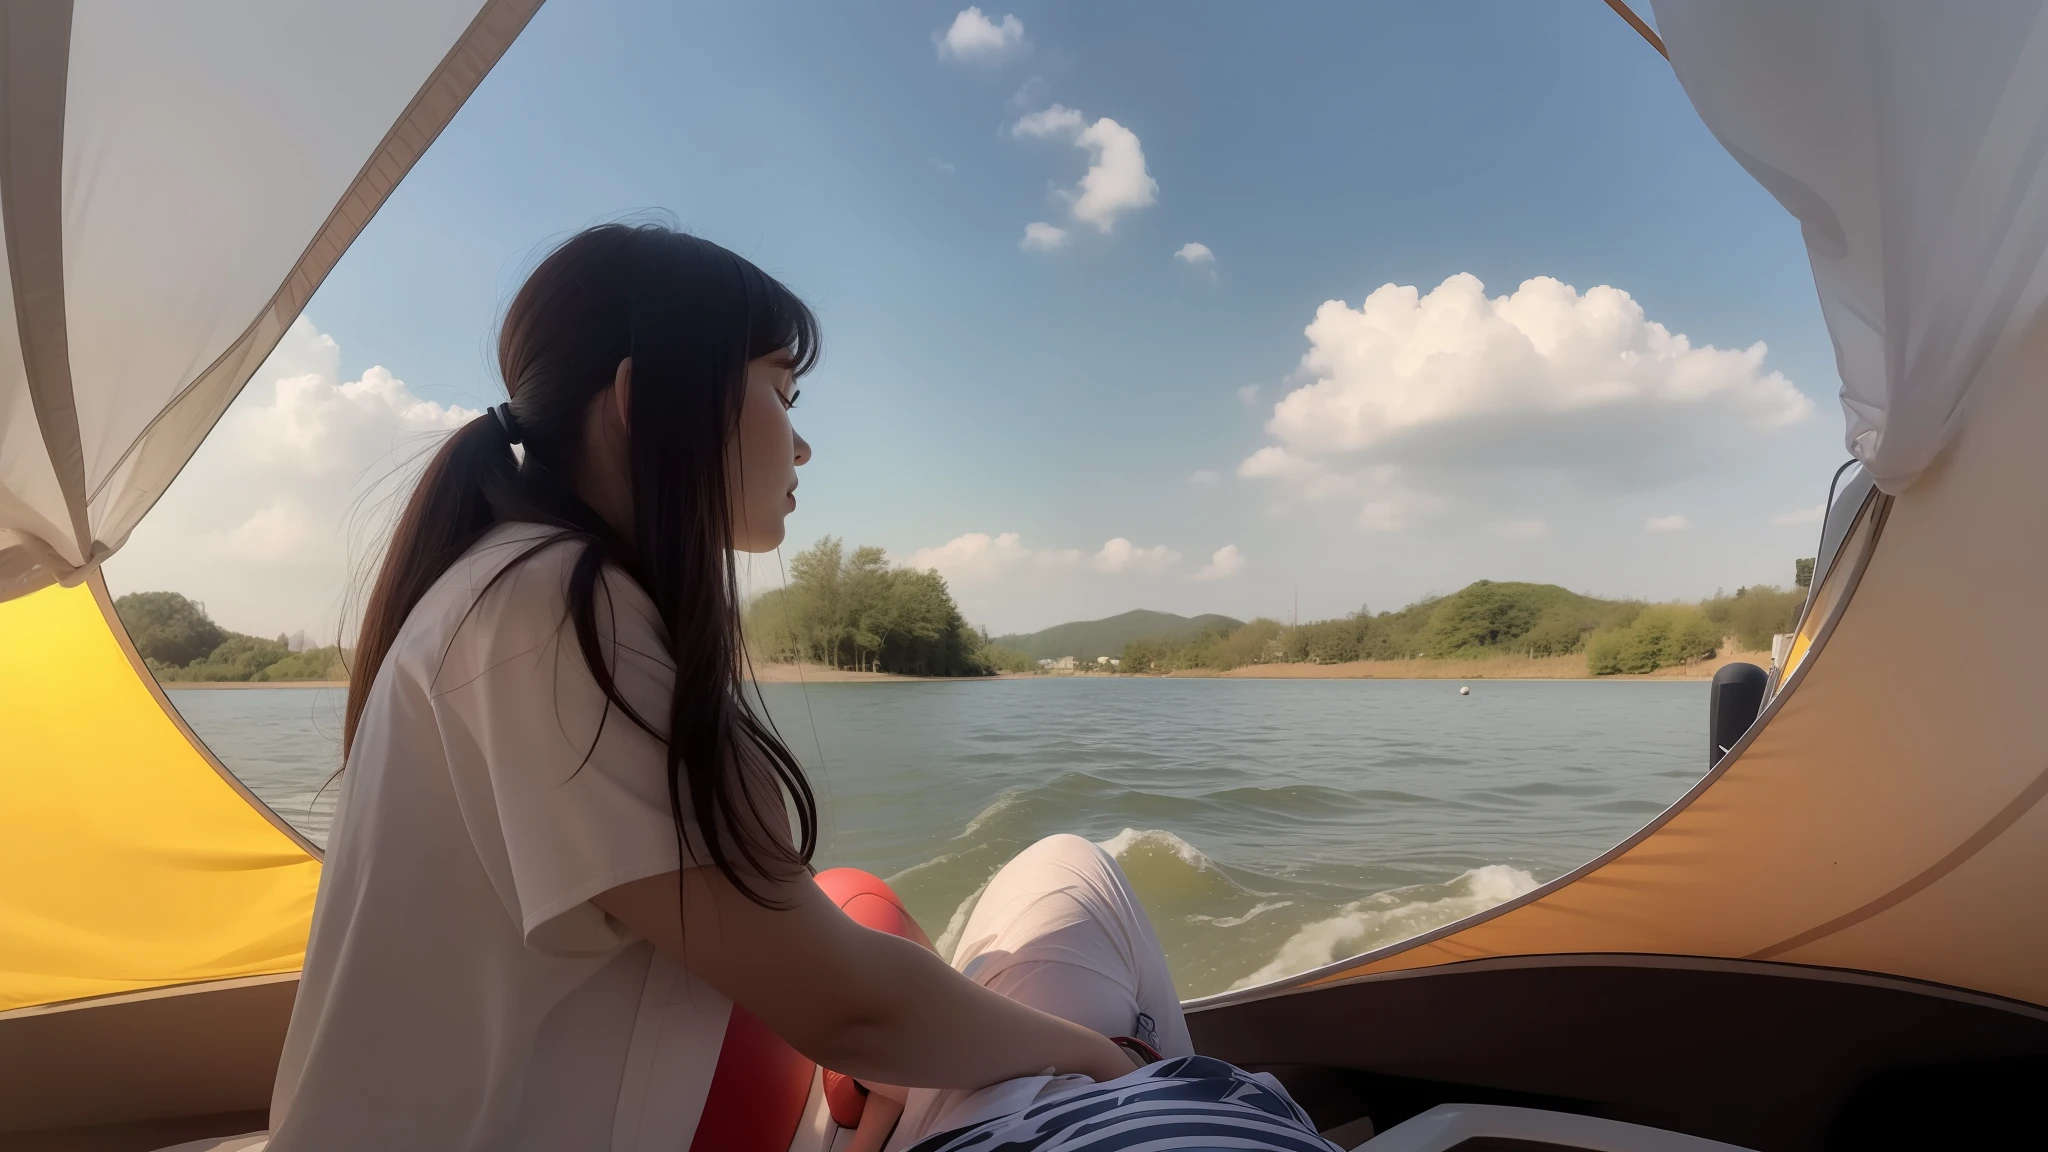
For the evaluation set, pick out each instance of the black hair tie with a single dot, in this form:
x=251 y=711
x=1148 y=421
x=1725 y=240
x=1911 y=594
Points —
x=508 y=422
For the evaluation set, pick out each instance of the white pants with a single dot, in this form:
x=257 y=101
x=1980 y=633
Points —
x=1057 y=928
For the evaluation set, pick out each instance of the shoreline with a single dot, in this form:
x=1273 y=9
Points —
x=232 y=685
x=1493 y=668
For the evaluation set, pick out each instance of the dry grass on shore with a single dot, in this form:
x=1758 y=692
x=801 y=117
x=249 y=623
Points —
x=217 y=685
x=1491 y=668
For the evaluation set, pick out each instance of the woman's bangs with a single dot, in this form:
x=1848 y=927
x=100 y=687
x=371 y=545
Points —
x=781 y=320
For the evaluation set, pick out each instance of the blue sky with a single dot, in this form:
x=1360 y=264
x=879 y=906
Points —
x=1105 y=390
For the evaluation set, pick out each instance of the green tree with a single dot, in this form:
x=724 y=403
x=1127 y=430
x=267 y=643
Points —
x=855 y=611
x=1482 y=615
x=238 y=658
x=1661 y=635
x=168 y=628
x=1802 y=572
x=1754 y=615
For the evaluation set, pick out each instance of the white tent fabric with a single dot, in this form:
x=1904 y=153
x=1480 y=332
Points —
x=1911 y=142
x=175 y=180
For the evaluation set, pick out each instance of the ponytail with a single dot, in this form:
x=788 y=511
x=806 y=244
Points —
x=449 y=511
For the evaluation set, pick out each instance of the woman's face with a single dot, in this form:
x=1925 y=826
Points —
x=762 y=460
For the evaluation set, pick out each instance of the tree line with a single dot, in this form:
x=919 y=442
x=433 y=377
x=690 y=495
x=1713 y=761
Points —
x=1492 y=618
x=856 y=611
x=178 y=641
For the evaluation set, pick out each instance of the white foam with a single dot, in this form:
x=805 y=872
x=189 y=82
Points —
x=950 y=938
x=943 y=858
x=1387 y=917
x=1234 y=921
x=1123 y=842
x=989 y=813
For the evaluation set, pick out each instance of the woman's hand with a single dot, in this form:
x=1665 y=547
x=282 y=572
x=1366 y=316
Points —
x=871 y=1005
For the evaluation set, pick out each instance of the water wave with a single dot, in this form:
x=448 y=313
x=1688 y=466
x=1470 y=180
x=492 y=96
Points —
x=1239 y=921
x=1387 y=917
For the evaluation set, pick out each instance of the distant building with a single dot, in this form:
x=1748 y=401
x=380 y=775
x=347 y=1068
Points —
x=1064 y=664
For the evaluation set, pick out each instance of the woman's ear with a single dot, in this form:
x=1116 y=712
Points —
x=622 y=393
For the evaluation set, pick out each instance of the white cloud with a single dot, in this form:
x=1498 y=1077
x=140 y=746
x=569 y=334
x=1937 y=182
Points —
x=1042 y=237
x=1225 y=562
x=1579 y=385
x=1194 y=253
x=1120 y=555
x=1522 y=529
x=1800 y=516
x=1003 y=583
x=1249 y=394
x=1205 y=478
x=260 y=526
x=1394 y=507
x=973 y=36
x=946 y=166
x=1673 y=523
x=1058 y=120
x=1032 y=91
x=1116 y=181
x=978 y=558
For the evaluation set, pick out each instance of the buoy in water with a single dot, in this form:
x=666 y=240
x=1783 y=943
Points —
x=1464 y=691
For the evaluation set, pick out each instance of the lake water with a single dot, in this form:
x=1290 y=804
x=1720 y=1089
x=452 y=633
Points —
x=1270 y=826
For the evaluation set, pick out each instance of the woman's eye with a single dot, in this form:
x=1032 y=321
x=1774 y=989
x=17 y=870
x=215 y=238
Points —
x=789 y=401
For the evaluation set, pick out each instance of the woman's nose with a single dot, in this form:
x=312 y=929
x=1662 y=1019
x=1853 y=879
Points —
x=803 y=449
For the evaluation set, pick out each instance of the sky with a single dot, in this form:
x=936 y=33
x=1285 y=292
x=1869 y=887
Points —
x=1199 y=307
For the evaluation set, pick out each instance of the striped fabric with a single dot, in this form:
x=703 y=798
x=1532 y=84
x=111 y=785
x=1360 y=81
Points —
x=1189 y=1104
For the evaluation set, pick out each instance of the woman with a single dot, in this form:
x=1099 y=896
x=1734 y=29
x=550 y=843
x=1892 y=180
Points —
x=565 y=844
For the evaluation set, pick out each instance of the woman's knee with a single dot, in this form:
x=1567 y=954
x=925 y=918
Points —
x=1065 y=848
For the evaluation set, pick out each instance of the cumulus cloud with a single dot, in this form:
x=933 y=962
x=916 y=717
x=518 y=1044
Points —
x=1580 y=385
x=1032 y=91
x=1673 y=523
x=1799 y=516
x=977 y=557
x=1205 y=478
x=259 y=526
x=1194 y=253
x=1248 y=395
x=1042 y=237
x=1225 y=562
x=1116 y=181
x=1120 y=555
x=973 y=36
x=1004 y=583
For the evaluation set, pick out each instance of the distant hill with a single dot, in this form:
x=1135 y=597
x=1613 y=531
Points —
x=1087 y=639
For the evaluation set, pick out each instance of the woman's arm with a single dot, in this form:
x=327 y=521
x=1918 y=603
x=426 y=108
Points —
x=871 y=1005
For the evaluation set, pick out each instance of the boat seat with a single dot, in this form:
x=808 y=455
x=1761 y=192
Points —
x=765 y=1096
x=1503 y=1129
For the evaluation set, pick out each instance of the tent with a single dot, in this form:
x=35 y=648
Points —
x=1851 y=894
x=173 y=191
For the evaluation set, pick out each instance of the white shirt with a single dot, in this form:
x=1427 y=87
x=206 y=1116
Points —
x=460 y=990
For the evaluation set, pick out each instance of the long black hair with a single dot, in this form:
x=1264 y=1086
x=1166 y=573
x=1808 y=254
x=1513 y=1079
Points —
x=690 y=315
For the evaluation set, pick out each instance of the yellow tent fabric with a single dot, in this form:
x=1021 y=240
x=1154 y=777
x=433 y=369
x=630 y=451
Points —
x=132 y=863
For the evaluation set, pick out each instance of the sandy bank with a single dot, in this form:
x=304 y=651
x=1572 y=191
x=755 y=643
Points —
x=1494 y=668
x=817 y=674
x=181 y=685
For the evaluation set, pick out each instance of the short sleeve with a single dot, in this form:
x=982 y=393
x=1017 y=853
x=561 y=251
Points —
x=564 y=794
